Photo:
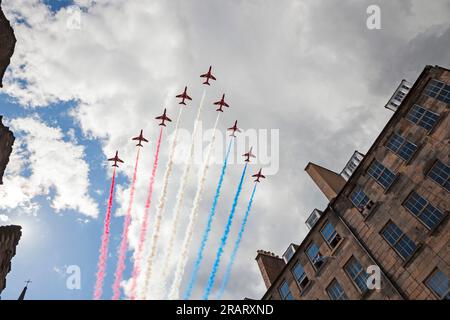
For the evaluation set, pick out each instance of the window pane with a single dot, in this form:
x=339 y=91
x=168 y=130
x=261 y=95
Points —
x=285 y=292
x=357 y=274
x=423 y=210
x=359 y=198
x=440 y=173
x=438 y=282
x=398 y=240
x=299 y=272
x=444 y=95
x=402 y=147
x=381 y=174
x=328 y=232
x=433 y=88
x=336 y=292
x=422 y=117
x=313 y=251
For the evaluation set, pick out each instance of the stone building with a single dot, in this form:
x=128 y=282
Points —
x=7 y=43
x=387 y=215
x=9 y=239
x=6 y=143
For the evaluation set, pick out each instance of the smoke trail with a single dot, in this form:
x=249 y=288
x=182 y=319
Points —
x=205 y=236
x=144 y=226
x=175 y=288
x=236 y=246
x=180 y=195
x=123 y=243
x=160 y=209
x=224 y=239
x=104 y=246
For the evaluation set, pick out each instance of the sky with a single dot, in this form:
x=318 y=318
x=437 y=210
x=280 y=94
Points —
x=308 y=77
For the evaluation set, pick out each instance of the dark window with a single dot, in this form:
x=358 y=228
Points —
x=422 y=117
x=314 y=255
x=335 y=291
x=423 y=210
x=440 y=173
x=402 y=147
x=285 y=292
x=358 y=275
x=438 y=283
x=381 y=174
x=404 y=246
x=438 y=90
x=300 y=275
x=359 y=198
x=330 y=235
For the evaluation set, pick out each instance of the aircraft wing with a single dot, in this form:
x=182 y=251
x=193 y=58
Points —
x=145 y=140
x=212 y=77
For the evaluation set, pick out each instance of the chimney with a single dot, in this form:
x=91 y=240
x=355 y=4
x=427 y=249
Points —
x=329 y=182
x=270 y=266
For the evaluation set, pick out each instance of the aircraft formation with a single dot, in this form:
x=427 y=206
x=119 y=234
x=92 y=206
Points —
x=144 y=276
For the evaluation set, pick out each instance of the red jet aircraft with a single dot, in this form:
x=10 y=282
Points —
x=234 y=129
x=258 y=176
x=249 y=155
x=208 y=76
x=116 y=159
x=221 y=103
x=140 y=138
x=183 y=96
x=163 y=118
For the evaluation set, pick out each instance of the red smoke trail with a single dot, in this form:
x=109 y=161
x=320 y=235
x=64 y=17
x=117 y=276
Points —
x=104 y=246
x=144 y=226
x=123 y=244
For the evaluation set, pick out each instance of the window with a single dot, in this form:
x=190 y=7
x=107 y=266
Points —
x=403 y=245
x=438 y=283
x=422 y=117
x=438 y=90
x=314 y=255
x=381 y=174
x=335 y=291
x=440 y=173
x=285 y=292
x=401 y=147
x=330 y=235
x=359 y=199
x=423 y=210
x=358 y=275
x=300 y=275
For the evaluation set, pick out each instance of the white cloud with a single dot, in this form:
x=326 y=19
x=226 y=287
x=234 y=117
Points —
x=311 y=69
x=57 y=169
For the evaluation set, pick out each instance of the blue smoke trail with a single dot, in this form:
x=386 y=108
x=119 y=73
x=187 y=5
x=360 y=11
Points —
x=224 y=238
x=205 y=236
x=236 y=246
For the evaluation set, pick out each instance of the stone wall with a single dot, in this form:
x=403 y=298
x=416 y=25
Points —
x=6 y=143
x=7 y=44
x=9 y=238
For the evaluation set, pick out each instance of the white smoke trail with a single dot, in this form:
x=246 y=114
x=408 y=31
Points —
x=180 y=196
x=160 y=209
x=176 y=284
